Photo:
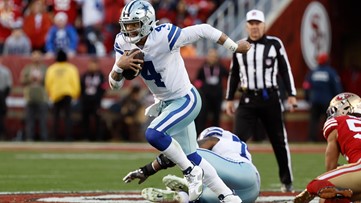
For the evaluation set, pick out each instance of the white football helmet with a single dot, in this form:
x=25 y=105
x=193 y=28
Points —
x=345 y=103
x=137 y=11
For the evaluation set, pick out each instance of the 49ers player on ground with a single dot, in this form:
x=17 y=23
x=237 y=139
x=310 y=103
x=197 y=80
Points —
x=342 y=130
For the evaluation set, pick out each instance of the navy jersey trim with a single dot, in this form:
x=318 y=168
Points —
x=117 y=49
x=173 y=36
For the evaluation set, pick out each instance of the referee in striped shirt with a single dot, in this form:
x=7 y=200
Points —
x=255 y=75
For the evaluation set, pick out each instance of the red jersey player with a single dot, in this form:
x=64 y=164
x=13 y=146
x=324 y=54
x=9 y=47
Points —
x=342 y=130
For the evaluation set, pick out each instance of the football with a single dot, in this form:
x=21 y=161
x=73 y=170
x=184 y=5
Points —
x=130 y=74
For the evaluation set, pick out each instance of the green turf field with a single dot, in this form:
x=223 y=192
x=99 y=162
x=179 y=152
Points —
x=89 y=170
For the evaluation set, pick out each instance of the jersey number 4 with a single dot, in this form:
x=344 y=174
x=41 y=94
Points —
x=149 y=73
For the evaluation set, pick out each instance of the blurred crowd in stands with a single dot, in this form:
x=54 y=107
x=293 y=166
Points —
x=81 y=26
x=38 y=29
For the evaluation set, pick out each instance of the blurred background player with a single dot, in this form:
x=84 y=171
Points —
x=62 y=83
x=32 y=78
x=320 y=85
x=93 y=86
x=343 y=134
x=209 y=82
x=6 y=82
x=227 y=154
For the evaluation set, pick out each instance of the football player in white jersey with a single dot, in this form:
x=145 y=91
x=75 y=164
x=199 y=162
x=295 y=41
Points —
x=226 y=152
x=178 y=103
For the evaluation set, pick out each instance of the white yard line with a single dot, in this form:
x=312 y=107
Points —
x=121 y=197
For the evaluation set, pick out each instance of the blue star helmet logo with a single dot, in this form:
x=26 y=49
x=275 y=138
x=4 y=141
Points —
x=145 y=8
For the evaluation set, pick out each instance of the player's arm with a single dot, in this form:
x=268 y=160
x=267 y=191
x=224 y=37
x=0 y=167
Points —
x=161 y=162
x=332 y=151
x=208 y=142
x=123 y=61
x=193 y=33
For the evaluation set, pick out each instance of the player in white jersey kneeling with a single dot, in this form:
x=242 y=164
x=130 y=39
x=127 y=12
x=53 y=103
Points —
x=178 y=102
x=225 y=152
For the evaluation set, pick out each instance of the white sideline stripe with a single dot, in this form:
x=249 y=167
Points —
x=86 y=156
x=19 y=102
x=95 y=199
x=77 y=146
x=283 y=199
x=69 y=192
x=122 y=198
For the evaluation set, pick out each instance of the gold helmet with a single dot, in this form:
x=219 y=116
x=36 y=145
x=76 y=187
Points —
x=345 y=103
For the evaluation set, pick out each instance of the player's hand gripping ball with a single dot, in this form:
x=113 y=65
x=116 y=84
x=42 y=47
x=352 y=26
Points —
x=130 y=74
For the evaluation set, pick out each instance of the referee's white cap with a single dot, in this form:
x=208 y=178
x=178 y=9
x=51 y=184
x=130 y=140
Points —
x=255 y=15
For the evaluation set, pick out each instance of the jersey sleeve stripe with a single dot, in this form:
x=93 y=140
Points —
x=175 y=38
x=214 y=131
x=330 y=122
x=329 y=126
x=171 y=33
x=117 y=49
x=235 y=138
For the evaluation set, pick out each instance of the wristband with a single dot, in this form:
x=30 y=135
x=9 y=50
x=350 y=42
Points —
x=148 y=170
x=230 y=45
x=117 y=69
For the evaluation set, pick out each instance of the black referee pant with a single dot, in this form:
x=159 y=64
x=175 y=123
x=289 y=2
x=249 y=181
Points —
x=253 y=106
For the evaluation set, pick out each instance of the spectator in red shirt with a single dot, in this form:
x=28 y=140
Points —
x=37 y=24
x=69 y=7
x=112 y=9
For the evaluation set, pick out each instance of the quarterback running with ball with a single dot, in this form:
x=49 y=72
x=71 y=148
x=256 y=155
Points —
x=177 y=102
x=342 y=130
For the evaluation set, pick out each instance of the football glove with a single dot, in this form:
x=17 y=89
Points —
x=137 y=174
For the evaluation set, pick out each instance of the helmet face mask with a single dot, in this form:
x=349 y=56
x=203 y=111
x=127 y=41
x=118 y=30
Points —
x=344 y=104
x=137 y=11
x=134 y=31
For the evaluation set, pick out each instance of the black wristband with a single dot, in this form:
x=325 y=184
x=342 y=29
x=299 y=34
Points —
x=148 y=170
x=164 y=162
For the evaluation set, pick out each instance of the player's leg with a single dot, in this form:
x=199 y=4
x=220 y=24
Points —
x=211 y=178
x=43 y=115
x=30 y=112
x=342 y=182
x=245 y=120
x=242 y=178
x=179 y=123
x=176 y=115
x=272 y=120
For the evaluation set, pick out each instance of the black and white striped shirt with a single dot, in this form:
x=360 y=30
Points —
x=258 y=68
